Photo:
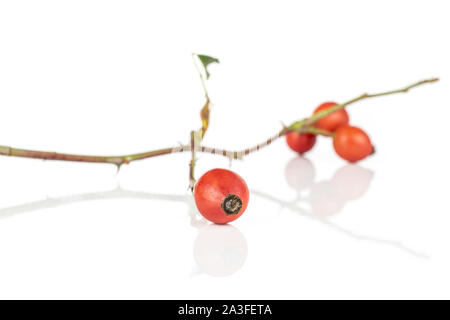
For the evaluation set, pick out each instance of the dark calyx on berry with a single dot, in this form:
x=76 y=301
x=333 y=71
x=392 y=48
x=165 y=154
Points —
x=232 y=204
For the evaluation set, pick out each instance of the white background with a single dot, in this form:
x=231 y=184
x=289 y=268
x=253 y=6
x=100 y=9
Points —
x=113 y=77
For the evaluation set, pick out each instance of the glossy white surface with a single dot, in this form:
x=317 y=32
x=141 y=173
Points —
x=112 y=77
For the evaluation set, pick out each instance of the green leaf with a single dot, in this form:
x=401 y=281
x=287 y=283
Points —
x=206 y=61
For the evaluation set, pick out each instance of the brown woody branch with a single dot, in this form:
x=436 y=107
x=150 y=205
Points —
x=304 y=125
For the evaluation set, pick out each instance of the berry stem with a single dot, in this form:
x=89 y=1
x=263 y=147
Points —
x=301 y=126
x=317 y=131
x=202 y=79
x=197 y=136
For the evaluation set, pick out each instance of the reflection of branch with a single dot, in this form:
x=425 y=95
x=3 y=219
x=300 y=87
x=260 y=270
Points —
x=294 y=207
x=112 y=194
x=195 y=221
x=60 y=201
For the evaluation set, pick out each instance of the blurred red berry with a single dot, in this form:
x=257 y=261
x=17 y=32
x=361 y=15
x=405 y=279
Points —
x=332 y=121
x=300 y=143
x=352 y=143
x=221 y=195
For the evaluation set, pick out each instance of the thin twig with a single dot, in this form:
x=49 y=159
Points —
x=197 y=137
x=125 y=159
x=301 y=124
x=202 y=79
x=192 y=163
x=117 y=160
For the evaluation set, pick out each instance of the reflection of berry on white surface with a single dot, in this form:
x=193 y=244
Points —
x=300 y=173
x=352 y=181
x=325 y=200
x=220 y=250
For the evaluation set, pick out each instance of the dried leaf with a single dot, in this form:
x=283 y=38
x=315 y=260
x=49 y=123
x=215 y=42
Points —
x=204 y=116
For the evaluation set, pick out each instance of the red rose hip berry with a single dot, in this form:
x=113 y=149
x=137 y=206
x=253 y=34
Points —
x=221 y=196
x=334 y=120
x=352 y=143
x=300 y=143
